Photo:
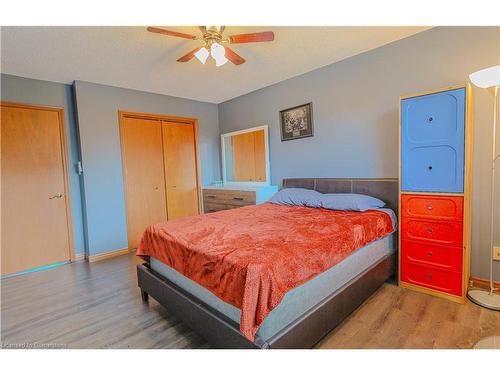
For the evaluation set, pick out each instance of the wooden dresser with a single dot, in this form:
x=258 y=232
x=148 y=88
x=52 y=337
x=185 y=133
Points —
x=218 y=198
x=435 y=188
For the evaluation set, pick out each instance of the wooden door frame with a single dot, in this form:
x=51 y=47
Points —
x=122 y=115
x=65 y=167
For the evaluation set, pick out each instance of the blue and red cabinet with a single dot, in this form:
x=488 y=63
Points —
x=435 y=174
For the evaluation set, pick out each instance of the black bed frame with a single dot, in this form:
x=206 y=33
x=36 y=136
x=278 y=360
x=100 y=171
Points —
x=313 y=325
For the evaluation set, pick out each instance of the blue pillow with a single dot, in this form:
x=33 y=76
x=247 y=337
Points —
x=350 y=202
x=297 y=197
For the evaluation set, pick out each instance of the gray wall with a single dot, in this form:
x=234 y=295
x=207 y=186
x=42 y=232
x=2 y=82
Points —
x=32 y=91
x=98 y=107
x=355 y=103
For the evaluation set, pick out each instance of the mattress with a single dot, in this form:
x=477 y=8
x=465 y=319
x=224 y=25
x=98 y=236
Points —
x=298 y=300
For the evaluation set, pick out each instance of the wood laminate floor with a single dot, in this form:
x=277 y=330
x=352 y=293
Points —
x=98 y=305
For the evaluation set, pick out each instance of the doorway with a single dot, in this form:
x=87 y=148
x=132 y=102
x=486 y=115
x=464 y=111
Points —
x=36 y=220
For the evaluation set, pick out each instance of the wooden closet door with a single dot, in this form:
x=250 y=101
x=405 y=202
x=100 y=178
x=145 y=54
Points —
x=35 y=225
x=142 y=154
x=181 y=172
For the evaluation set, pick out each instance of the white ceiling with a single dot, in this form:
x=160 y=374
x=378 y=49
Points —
x=133 y=58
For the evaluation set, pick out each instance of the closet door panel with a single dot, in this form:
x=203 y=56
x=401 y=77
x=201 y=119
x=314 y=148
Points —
x=142 y=153
x=181 y=173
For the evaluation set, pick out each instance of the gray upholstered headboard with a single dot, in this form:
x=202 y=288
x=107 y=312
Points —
x=385 y=189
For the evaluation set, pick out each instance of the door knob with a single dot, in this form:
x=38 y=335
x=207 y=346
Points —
x=58 y=195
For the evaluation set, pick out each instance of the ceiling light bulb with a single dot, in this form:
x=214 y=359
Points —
x=202 y=55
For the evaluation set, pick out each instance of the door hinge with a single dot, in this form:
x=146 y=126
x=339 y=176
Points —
x=79 y=168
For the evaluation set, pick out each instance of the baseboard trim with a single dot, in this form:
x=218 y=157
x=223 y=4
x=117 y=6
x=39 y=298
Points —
x=107 y=255
x=78 y=258
x=477 y=282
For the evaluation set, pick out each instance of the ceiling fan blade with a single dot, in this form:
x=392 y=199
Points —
x=266 y=36
x=170 y=33
x=188 y=56
x=234 y=57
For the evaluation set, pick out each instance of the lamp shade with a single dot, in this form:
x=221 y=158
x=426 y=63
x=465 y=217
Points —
x=218 y=52
x=202 y=55
x=486 y=78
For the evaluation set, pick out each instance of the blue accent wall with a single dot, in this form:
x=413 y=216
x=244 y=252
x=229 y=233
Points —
x=34 y=91
x=104 y=197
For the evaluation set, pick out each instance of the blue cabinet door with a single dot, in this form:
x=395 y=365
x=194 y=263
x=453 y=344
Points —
x=432 y=142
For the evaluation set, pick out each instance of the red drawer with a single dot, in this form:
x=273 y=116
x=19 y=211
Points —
x=433 y=278
x=447 y=233
x=432 y=206
x=447 y=257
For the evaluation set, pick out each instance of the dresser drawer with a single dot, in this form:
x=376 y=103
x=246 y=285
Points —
x=433 y=278
x=446 y=257
x=432 y=206
x=232 y=197
x=215 y=207
x=447 y=233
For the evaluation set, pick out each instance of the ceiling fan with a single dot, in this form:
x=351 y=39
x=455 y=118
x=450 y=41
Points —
x=213 y=40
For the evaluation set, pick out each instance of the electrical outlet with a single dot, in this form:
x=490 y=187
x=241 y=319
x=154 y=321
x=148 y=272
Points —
x=496 y=252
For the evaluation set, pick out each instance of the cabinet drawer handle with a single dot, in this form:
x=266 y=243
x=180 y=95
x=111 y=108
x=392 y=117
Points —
x=429 y=254
x=429 y=230
x=429 y=167
x=429 y=276
x=237 y=198
x=430 y=119
x=211 y=196
x=429 y=207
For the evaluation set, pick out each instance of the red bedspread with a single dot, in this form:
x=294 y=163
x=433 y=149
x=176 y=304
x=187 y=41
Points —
x=252 y=256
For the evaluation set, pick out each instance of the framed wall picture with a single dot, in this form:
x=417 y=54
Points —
x=296 y=122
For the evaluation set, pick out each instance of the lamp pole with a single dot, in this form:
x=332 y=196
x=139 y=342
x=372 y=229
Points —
x=492 y=206
x=489 y=78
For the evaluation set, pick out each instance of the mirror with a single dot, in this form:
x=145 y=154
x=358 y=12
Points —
x=245 y=156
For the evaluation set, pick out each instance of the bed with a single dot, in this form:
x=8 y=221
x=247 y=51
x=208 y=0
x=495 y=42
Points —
x=296 y=318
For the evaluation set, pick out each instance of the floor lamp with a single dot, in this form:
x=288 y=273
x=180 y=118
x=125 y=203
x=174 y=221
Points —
x=489 y=78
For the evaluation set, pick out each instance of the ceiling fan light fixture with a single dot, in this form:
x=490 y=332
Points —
x=217 y=50
x=202 y=55
x=221 y=61
x=212 y=43
x=218 y=53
